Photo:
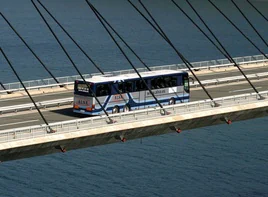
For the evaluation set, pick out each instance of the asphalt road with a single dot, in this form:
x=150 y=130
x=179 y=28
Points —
x=23 y=119
x=202 y=76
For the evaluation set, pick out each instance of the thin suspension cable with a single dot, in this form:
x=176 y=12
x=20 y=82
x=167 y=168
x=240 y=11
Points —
x=13 y=69
x=257 y=10
x=29 y=48
x=237 y=28
x=72 y=62
x=197 y=26
x=228 y=54
x=81 y=49
x=2 y=85
x=164 y=36
x=257 y=32
x=121 y=38
x=144 y=82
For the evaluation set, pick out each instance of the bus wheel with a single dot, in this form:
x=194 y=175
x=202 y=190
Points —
x=115 y=110
x=126 y=108
x=171 y=101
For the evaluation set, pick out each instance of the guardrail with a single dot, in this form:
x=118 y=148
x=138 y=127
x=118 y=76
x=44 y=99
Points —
x=42 y=104
x=69 y=101
x=133 y=116
x=68 y=80
x=229 y=79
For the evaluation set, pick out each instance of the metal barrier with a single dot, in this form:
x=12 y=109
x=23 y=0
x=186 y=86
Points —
x=133 y=116
x=42 y=104
x=50 y=82
x=68 y=101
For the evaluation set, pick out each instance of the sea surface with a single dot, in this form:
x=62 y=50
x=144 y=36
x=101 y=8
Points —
x=223 y=160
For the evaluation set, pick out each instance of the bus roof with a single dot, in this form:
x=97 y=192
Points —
x=108 y=78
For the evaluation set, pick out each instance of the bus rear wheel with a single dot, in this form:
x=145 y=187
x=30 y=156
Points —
x=115 y=110
x=171 y=101
x=126 y=108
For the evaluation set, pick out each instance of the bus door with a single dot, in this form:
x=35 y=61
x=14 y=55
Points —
x=141 y=93
x=186 y=86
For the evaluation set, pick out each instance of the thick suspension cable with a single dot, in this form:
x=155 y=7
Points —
x=257 y=32
x=198 y=27
x=13 y=69
x=30 y=49
x=72 y=62
x=237 y=29
x=164 y=36
x=258 y=10
x=122 y=51
x=228 y=54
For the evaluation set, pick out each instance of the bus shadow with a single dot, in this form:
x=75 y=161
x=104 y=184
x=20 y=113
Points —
x=69 y=112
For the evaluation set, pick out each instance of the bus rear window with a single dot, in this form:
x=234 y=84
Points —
x=82 y=88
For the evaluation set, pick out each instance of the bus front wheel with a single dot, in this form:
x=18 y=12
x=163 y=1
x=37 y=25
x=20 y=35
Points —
x=115 y=110
x=171 y=101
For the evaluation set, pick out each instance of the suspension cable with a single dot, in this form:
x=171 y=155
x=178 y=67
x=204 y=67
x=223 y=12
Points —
x=83 y=51
x=257 y=10
x=29 y=48
x=2 y=85
x=164 y=36
x=121 y=38
x=228 y=54
x=13 y=69
x=136 y=55
x=237 y=28
x=198 y=27
x=122 y=51
x=257 y=32
x=72 y=62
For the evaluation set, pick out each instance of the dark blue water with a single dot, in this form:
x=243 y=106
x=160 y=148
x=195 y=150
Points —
x=213 y=161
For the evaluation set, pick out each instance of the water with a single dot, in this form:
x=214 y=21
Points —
x=213 y=161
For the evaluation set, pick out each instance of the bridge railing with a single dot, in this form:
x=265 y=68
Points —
x=50 y=82
x=130 y=117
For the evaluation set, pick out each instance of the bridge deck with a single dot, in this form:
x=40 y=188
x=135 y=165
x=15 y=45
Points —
x=83 y=132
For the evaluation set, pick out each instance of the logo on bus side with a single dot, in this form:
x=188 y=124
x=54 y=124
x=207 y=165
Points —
x=118 y=97
x=156 y=92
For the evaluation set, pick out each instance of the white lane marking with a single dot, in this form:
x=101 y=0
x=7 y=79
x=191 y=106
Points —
x=2 y=125
x=243 y=90
x=40 y=95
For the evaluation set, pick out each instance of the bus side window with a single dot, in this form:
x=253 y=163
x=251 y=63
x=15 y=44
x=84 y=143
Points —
x=153 y=84
x=103 y=90
x=174 y=81
x=140 y=85
x=168 y=82
x=157 y=83
x=121 y=87
x=128 y=86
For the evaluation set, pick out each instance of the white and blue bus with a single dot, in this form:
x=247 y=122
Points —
x=127 y=92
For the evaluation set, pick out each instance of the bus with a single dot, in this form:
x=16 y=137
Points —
x=127 y=92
